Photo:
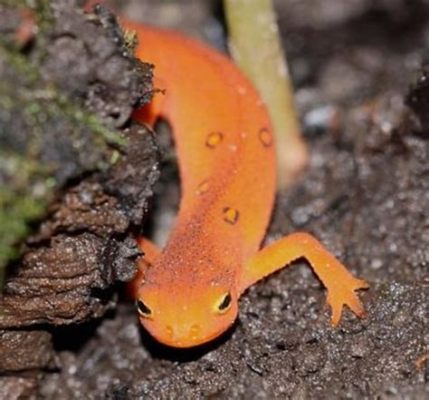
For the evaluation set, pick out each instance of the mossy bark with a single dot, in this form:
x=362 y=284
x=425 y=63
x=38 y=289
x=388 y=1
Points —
x=48 y=134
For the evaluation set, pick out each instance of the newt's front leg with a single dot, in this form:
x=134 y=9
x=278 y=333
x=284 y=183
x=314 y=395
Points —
x=340 y=283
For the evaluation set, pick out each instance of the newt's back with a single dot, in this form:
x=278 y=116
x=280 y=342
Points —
x=223 y=138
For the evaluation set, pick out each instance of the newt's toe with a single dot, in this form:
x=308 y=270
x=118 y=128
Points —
x=346 y=296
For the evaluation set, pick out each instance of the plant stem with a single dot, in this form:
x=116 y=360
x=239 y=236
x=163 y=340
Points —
x=255 y=45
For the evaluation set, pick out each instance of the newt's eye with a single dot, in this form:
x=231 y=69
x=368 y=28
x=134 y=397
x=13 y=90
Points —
x=143 y=309
x=224 y=303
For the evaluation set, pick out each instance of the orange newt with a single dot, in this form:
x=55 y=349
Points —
x=188 y=294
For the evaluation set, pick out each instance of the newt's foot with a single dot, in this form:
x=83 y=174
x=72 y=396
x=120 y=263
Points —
x=343 y=294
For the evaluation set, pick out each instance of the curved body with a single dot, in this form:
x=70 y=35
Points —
x=188 y=294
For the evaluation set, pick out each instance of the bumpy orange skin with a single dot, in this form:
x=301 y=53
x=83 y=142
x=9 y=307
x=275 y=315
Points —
x=227 y=162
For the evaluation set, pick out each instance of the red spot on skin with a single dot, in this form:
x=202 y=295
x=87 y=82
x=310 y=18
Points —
x=230 y=215
x=265 y=137
x=214 y=139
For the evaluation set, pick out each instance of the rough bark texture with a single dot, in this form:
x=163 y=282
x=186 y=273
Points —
x=65 y=92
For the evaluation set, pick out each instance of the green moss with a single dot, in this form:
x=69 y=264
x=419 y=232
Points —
x=23 y=198
x=106 y=135
x=16 y=212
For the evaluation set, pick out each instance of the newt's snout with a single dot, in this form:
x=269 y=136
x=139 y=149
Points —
x=183 y=331
x=183 y=335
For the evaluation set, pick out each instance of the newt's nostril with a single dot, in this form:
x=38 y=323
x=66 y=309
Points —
x=194 y=331
x=169 y=331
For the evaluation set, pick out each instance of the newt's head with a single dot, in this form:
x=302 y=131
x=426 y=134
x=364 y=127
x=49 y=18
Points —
x=187 y=314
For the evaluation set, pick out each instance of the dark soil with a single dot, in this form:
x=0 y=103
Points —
x=363 y=95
